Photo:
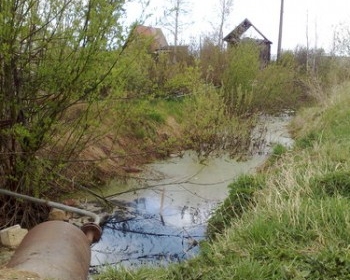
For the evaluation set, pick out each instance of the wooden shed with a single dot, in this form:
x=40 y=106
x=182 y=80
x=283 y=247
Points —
x=236 y=36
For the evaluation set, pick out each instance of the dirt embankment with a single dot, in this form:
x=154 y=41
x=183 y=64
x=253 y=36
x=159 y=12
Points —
x=116 y=156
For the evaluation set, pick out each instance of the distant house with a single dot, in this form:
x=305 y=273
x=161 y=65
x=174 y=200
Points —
x=235 y=37
x=158 y=42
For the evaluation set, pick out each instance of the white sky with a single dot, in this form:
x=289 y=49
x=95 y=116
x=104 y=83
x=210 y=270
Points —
x=322 y=16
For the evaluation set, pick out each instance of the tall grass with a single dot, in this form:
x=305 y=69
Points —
x=296 y=224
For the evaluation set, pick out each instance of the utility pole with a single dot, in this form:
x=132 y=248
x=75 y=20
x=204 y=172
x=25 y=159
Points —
x=280 y=32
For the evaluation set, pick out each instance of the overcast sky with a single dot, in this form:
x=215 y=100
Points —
x=321 y=17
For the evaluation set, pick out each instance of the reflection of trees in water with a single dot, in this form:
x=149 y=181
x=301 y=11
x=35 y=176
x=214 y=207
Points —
x=144 y=238
x=140 y=233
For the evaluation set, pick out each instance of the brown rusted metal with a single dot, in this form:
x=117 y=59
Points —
x=54 y=249
x=92 y=231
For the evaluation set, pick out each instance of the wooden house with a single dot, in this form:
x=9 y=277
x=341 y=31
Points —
x=158 y=40
x=236 y=36
x=159 y=44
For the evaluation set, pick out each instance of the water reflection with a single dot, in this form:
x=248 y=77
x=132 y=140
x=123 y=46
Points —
x=165 y=221
x=149 y=237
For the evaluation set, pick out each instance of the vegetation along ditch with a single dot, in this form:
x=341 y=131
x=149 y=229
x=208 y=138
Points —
x=164 y=139
x=287 y=221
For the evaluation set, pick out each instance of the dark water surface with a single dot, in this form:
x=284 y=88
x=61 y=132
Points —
x=164 y=222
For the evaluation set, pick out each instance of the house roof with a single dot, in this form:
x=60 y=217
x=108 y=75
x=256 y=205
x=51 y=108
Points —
x=157 y=34
x=235 y=35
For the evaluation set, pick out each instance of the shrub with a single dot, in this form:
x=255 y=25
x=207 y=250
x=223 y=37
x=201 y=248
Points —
x=240 y=76
x=213 y=62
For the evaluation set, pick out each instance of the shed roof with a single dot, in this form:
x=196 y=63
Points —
x=235 y=35
x=157 y=34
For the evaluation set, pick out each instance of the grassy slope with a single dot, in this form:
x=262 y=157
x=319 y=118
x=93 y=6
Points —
x=296 y=224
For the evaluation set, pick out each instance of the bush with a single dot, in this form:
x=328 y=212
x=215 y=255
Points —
x=184 y=81
x=250 y=87
x=278 y=88
x=205 y=121
x=213 y=62
x=240 y=76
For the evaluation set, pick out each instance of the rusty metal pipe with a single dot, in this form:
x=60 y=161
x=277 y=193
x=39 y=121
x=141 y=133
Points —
x=92 y=230
x=54 y=250
x=67 y=208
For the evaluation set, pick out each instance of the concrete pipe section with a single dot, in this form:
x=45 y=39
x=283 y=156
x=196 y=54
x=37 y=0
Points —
x=55 y=250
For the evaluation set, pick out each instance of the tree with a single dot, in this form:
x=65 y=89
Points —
x=52 y=56
x=341 y=40
x=213 y=60
x=225 y=8
x=212 y=54
x=173 y=19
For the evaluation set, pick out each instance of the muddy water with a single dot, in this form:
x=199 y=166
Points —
x=164 y=222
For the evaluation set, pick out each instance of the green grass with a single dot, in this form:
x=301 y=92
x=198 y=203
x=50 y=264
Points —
x=241 y=197
x=335 y=183
x=172 y=107
x=290 y=222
